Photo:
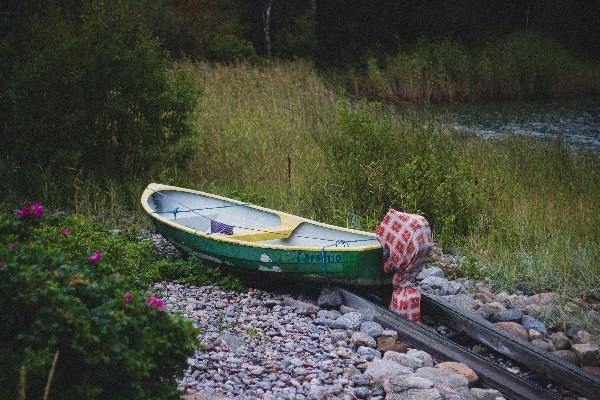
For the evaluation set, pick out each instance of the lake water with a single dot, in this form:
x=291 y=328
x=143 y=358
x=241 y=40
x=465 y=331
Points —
x=576 y=122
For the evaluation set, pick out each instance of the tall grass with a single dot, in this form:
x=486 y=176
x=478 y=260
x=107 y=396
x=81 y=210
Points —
x=524 y=210
x=256 y=132
x=521 y=65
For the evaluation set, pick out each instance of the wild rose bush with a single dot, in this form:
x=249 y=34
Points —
x=61 y=292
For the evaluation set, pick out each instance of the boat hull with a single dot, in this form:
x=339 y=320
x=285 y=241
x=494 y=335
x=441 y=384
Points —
x=326 y=265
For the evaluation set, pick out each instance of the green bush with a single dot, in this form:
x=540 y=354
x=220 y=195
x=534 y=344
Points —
x=384 y=163
x=90 y=91
x=110 y=340
x=519 y=65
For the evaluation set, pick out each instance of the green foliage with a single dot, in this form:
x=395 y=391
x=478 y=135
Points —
x=55 y=300
x=383 y=163
x=90 y=92
x=128 y=256
x=520 y=65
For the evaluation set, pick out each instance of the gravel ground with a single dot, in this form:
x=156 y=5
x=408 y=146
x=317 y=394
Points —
x=259 y=345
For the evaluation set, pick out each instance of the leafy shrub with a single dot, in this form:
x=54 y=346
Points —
x=381 y=164
x=111 y=341
x=90 y=90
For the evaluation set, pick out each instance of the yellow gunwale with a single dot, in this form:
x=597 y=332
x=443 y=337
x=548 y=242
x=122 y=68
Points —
x=287 y=219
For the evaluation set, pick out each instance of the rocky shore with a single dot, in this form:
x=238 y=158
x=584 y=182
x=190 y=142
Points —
x=521 y=314
x=259 y=345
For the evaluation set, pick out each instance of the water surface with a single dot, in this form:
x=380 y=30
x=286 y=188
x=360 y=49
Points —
x=576 y=122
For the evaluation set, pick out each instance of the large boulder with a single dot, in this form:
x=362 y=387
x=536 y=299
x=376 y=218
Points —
x=300 y=307
x=514 y=329
x=587 y=353
x=460 y=369
x=530 y=322
x=388 y=343
x=351 y=321
x=371 y=328
x=380 y=370
x=560 y=341
x=510 y=315
x=362 y=339
x=448 y=378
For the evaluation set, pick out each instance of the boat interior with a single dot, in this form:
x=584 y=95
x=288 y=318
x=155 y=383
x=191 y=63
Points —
x=211 y=215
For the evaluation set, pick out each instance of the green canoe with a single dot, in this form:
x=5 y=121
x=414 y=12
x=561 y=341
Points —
x=252 y=239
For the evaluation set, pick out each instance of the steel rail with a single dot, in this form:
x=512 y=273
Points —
x=491 y=374
x=546 y=364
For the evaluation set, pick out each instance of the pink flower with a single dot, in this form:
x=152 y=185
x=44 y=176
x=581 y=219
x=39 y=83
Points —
x=3 y=265
x=64 y=232
x=155 y=302
x=37 y=209
x=94 y=258
x=128 y=297
x=23 y=212
x=12 y=246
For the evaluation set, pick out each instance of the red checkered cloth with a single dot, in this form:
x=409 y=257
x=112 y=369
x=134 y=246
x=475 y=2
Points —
x=406 y=302
x=406 y=241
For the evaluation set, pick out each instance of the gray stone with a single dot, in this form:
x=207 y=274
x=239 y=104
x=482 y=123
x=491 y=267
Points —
x=329 y=314
x=488 y=309
x=389 y=333
x=542 y=345
x=362 y=339
x=318 y=392
x=265 y=385
x=345 y=309
x=330 y=298
x=448 y=393
x=511 y=315
x=301 y=307
x=413 y=359
x=443 y=376
x=431 y=271
x=581 y=337
x=435 y=283
x=362 y=392
x=566 y=355
x=411 y=381
x=587 y=353
x=330 y=323
x=368 y=352
x=518 y=301
x=486 y=394
x=421 y=355
x=534 y=335
x=371 y=328
x=419 y=394
x=560 y=341
x=257 y=370
x=338 y=335
x=463 y=301
x=233 y=342
x=502 y=298
x=530 y=322
x=351 y=320
x=403 y=359
x=379 y=370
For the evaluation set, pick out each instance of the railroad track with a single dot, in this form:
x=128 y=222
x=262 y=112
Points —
x=515 y=386
x=544 y=368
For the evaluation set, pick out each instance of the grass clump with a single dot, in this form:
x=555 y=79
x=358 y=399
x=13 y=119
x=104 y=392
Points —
x=520 y=65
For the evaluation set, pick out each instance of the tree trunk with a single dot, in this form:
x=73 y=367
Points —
x=267 y=27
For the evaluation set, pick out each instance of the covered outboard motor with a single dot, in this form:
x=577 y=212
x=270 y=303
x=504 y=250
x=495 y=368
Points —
x=407 y=242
